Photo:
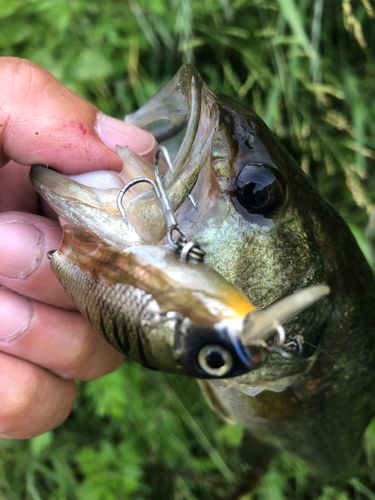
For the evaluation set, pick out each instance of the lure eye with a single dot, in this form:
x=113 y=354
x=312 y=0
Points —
x=258 y=189
x=215 y=360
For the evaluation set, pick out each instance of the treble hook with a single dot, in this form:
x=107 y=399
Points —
x=182 y=244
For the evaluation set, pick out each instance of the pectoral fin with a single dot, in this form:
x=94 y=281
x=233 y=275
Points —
x=214 y=401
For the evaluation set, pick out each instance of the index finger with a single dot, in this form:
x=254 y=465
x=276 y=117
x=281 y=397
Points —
x=25 y=240
x=42 y=121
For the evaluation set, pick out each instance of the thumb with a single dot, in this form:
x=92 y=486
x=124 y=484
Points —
x=41 y=121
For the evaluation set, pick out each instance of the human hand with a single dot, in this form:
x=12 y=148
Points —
x=44 y=342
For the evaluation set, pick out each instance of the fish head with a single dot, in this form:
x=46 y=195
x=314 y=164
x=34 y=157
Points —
x=263 y=225
x=258 y=216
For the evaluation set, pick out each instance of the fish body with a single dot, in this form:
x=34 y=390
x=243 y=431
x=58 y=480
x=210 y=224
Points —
x=267 y=231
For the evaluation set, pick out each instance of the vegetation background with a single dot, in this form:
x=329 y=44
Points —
x=308 y=69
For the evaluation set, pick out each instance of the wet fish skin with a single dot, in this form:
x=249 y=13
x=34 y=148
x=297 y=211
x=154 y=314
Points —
x=322 y=415
x=327 y=400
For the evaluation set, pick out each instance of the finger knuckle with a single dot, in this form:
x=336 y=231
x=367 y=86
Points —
x=92 y=358
x=76 y=364
x=27 y=72
x=16 y=405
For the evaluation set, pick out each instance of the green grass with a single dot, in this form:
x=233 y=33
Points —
x=308 y=69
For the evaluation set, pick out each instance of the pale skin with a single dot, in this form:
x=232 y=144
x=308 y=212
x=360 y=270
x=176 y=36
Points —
x=45 y=344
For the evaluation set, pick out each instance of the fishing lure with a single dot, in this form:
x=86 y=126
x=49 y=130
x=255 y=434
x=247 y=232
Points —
x=165 y=307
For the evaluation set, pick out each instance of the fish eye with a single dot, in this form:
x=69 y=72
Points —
x=259 y=189
x=215 y=360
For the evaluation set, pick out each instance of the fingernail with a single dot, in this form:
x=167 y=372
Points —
x=21 y=247
x=15 y=315
x=115 y=132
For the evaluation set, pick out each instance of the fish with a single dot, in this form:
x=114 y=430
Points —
x=269 y=233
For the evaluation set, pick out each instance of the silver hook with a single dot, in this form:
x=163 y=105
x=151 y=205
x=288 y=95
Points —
x=182 y=244
x=289 y=347
x=165 y=206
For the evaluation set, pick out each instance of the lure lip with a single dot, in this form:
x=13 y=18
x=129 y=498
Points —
x=247 y=342
x=258 y=323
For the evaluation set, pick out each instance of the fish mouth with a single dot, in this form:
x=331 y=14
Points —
x=182 y=116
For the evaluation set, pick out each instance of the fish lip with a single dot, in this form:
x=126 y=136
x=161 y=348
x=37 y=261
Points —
x=79 y=206
x=151 y=113
x=188 y=84
x=192 y=157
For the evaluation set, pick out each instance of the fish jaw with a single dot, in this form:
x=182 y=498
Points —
x=84 y=207
x=95 y=208
x=192 y=158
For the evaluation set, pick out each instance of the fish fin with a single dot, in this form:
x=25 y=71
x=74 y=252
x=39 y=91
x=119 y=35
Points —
x=105 y=263
x=214 y=401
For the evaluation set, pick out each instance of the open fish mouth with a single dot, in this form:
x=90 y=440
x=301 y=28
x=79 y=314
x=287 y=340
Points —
x=193 y=123
x=182 y=117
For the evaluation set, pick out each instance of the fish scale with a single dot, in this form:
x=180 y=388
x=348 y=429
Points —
x=119 y=313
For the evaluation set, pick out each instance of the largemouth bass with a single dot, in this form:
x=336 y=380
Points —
x=269 y=233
